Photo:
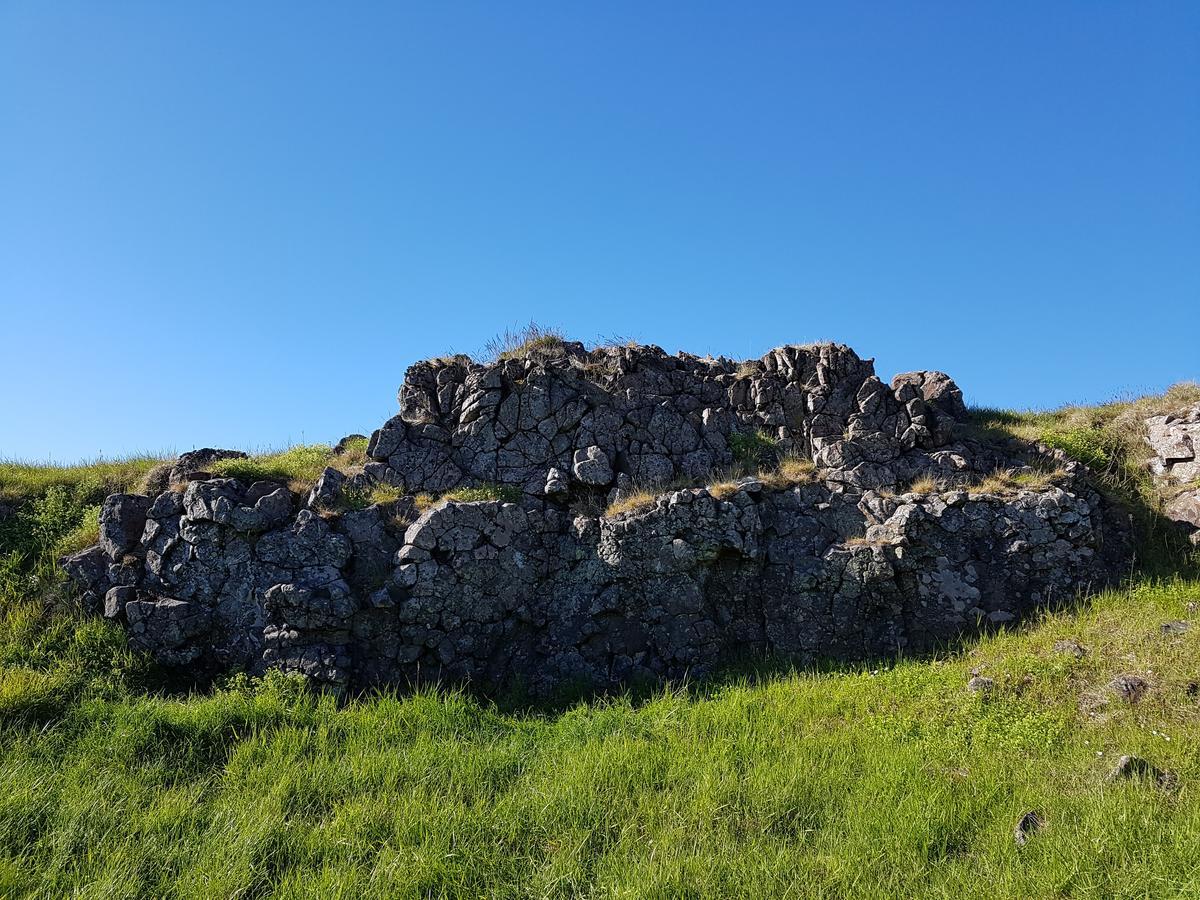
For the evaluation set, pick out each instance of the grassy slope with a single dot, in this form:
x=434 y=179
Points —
x=852 y=783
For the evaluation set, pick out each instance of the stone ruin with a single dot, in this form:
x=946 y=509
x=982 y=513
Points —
x=830 y=557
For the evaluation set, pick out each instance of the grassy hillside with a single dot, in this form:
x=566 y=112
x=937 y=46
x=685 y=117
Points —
x=893 y=780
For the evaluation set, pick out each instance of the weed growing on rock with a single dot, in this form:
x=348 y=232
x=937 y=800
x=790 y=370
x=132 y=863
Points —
x=753 y=449
x=531 y=340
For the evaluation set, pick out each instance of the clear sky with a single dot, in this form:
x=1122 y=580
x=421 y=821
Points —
x=235 y=224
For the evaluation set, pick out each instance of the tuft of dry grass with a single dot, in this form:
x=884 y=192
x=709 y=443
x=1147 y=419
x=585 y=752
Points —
x=926 y=484
x=384 y=493
x=723 y=490
x=532 y=340
x=425 y=501
x=791 y=471
x=1010 y=481
x=631 y=502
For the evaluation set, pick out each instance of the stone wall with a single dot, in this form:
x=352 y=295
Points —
x=544 y=589
x=1175 y=440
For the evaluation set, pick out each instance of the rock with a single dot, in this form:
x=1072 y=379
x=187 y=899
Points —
x=1176 y=627
x=556 y=483
x=1028 y=825
x=1074 y=648
x=122 y=521
x=199 y=461
x=327 y=491
x=115 y=600
x=167 y=628
x=1184 y=508
x=1130 y=767
x=1131 y=688
x=1175 y=440
x=981 y=684
x=938 y=390
x=591 y=466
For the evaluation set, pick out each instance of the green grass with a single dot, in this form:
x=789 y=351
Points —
x=752 y=449
x=303 y=463
x=894 y=782
x=20 y=481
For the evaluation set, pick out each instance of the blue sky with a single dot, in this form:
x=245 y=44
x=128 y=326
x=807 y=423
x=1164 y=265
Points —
x=236 y=224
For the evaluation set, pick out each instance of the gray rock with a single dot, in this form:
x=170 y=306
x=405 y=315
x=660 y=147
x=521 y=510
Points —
x=122 y=521
x=1071 y=647
x=168 y=628
x=1131 y=767
x=1184 y=508
x=327 y=491
x=981 y=684
x=1028 y=825
x=115 y=600
x=591 y=466
x=1131 y=688
x=556 y=483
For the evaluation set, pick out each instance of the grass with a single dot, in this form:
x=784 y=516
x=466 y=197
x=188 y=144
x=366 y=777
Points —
x=506 y=493
x=891 y=781
x=20 y=481
x=753 y=449
x=299 y=467
x=926 y=484
x=1109 y=437
x=791 y=471
x=1010 y=481
x=521 y=343
x=635 y=500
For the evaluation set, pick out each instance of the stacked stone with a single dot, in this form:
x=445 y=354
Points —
x=1175 y=440
x=214 y=574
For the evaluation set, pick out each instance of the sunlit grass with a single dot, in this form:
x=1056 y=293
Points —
x=886 y=780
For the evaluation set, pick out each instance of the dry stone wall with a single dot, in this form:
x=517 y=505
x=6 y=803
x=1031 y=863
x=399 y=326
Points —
x=543 y=589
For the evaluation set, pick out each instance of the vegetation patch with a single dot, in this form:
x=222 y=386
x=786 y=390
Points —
x=754 y=449
x=1009 y=481
x=531 y=340
x=926 y=484
x=632 y=501
x=792 y=470
x=298 y=467
x=479 y=493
